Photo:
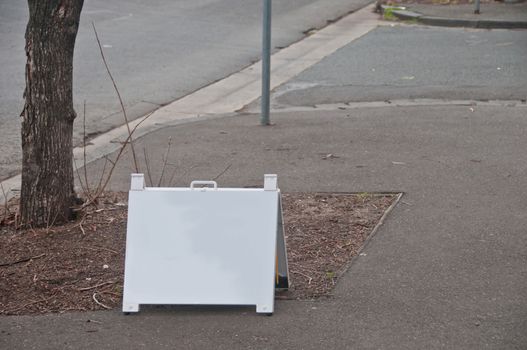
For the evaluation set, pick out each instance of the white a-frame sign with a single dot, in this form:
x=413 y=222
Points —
x=204 y=245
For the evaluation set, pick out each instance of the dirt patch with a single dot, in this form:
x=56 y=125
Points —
x=80 y=266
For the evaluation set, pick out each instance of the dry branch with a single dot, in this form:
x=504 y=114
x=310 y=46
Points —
x=99 y=303
x=6 y=204
x=165 y=161
x=119 y=97
x=101 y=248
x=148 y=172
x=22 y=260
x=96 y=286
x=223 y=172
x=101 y=189
x=88 y=190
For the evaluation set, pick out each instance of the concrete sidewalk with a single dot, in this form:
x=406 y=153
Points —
x=493 y=15
x=447 y=270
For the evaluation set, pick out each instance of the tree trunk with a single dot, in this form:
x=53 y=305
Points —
x=47 y=194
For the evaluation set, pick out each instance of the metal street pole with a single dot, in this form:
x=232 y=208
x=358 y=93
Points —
x=476 y=9
x=266 y=63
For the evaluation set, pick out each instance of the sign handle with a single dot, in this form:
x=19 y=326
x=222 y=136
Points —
x=214 y=184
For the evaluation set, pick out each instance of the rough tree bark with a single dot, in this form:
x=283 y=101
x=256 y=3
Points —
x=47 y=193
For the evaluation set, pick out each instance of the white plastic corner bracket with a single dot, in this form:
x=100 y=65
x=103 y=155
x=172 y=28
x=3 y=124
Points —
x=270 y=182
x=137 y=182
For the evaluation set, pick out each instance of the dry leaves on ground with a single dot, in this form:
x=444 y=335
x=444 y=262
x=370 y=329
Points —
x=79 y=266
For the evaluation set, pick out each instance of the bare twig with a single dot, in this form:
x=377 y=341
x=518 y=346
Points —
x=165 y=160
x=99 y=303
x=185 y=172
x=18 y=222
x=223 y=172
x=6 y=203
x=79 y=177
x=51 y=223
x=172 y=177
x=22 y=260
x=119 y=97
x=101 y=189
x=88 y=191
x=345 y=245
x=93 y=321
x=302 y=274
x=80 y=225
x=109 y=160
x=96 y=286
x=148 y=172
x=103 y=172
x=29 y=304
x=101 y=248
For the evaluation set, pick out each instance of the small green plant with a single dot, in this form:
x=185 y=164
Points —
x=388 y=14
x=363 y=195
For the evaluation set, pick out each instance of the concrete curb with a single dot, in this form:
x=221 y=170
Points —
x=406 y=15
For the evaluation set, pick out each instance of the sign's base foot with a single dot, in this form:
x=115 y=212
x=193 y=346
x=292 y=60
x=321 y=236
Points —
x=129 y=308
x=264 y=309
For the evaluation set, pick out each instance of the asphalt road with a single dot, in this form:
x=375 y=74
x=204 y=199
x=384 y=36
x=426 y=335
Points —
x=405 y=62
x=158 y=51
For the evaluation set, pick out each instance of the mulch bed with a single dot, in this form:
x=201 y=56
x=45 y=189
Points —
x=80 y=266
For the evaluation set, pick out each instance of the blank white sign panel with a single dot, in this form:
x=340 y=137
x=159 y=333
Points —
x=201 y=246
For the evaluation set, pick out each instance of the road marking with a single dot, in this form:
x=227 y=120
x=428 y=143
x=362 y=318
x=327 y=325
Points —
x=234 y=92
